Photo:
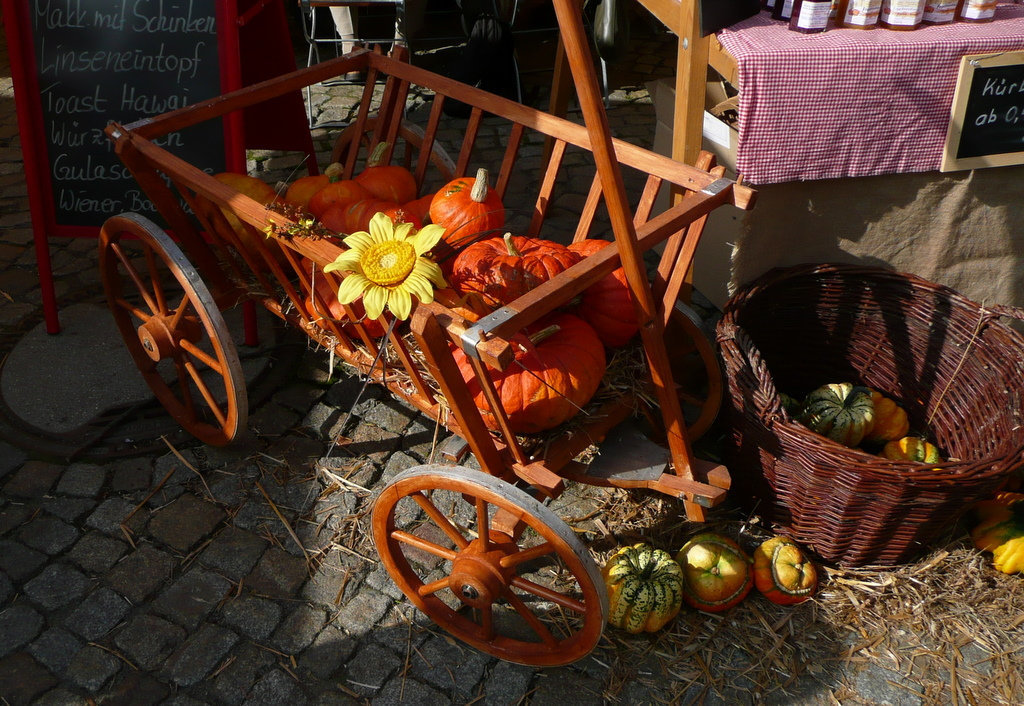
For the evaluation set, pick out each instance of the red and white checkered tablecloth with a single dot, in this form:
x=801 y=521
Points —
x=846 y=103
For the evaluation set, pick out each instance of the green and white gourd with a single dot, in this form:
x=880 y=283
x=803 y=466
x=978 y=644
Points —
x=645 y=588
x=843 y=412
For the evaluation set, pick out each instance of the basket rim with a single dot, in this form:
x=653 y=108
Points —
x=732 y=338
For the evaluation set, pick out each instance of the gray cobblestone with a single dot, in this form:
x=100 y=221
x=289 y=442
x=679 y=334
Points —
x=298 y=629
x=380 y=580
x=388 y=413
x=234 y=552
x=333 y=698
x=32 y=480
x=48 y=534
x=398 y=462
x=107 y=518
x=370 y=668
x=18 y=561
x=294 y=498
x=140 y=573
x=235 y=681
x=11 y=458
x=565 y=685
x=320 y=419
x=191 y=597
x=409 y=691
x=22 y=679
x=98 y=614
x=252 y=616
x=69 y=509
x=229 y=490
x=507 y=683
x=273 y=420
x=6 y=588
x=61 y=697
x=56 y=586
x=366 y=608
x=131 y=474
x=14 y=514
x=197 y=657
x=276 y=688
x=97 y=552
x=131 y=687
x=186 y=521
x=92 y=667
x=82 y=480
x=277 y=575
x=55 y=648
x=147 y=640
x=335 y=579
x=331 y=648
x=452 y=667
x=19 y=625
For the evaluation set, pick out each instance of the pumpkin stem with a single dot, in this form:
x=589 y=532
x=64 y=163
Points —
x=510 y=246
x=334 y=172
x=376 y=158
x=538 y=337
x=479 y=191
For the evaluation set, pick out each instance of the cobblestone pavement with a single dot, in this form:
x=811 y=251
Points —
x=198 y=575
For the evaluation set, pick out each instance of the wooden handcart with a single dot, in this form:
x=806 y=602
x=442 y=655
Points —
x=477 y=551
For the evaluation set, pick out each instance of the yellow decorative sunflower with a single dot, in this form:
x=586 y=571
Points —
x=386 y=267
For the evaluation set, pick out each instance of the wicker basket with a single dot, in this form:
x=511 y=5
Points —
x=954 y=366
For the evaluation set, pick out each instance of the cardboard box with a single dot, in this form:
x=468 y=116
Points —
x=720 y=138
x=712 y=263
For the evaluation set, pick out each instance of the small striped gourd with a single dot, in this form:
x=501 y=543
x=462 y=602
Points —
x=912 y=448
x=645 y=588
x=841 y=411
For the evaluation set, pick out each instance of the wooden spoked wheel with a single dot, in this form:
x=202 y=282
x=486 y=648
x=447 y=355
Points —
x=173 y=328
x=490 y=564
x=695 y=369
x=410 y=139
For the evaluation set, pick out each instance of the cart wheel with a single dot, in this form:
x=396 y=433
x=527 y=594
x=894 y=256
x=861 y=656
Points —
x=531 y=594
x=410 y=134
x=695 y=369
x=173 y=329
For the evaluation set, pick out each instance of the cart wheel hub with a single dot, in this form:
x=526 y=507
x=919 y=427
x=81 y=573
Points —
x=160 y=341
x=477 y=577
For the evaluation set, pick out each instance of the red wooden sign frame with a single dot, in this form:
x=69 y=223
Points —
x=254 y=44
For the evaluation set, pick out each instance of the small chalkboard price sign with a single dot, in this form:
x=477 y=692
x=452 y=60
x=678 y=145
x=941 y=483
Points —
x=98 y=60
x=986 y=126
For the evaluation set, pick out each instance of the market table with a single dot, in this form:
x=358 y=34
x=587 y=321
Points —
x=850 y=103
x=843 y=134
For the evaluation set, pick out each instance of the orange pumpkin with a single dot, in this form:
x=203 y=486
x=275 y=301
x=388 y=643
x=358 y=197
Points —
x=302 y=189
x=336 y=193
x=399 y=214
x=467 y=207
x=503 y=269
x=716 y=572
x=420 y=208
x=388 y=182
x=257 y=190
x=559 y=364
x=783 y=573
x=607 y=305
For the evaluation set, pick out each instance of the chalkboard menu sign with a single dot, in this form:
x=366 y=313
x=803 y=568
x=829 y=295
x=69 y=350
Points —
x=986 y=127
x=103 y=60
